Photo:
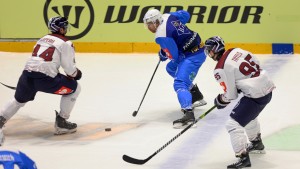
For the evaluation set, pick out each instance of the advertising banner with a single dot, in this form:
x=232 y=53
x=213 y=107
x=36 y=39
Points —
x=237 y=21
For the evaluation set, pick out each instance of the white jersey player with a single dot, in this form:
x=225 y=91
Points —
x=41 y=74
x=238 y=71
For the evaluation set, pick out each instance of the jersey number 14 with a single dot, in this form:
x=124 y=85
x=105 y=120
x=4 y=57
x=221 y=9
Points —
x=46 y=54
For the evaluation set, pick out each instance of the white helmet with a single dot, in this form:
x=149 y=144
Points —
x=152 y=15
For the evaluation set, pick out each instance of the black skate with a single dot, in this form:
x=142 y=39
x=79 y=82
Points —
x=62 y=126
x=2 y=137
x=243 y=162
x=197 y=97
x=187 y=119
x=256 y=146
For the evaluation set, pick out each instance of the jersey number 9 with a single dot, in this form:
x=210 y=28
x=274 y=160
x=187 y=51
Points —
x=249 y=67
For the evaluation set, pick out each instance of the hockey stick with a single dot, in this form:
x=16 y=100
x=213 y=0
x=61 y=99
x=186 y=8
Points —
x=136 y=111
x=14 y=88
x=140 y=162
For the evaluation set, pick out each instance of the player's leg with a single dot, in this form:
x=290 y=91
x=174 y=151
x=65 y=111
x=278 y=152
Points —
x=244 y=113
x=7 y=112
x=171 y=68
x=241 y=115
x=24 y=92
x=66 y=106
x=253 y=127
x=69 y=90
x=239 y=144
x=186 y=73
x=256 y=145
x=197 y=97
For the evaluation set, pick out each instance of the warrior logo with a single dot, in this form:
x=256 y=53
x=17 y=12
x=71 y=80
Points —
x=75 y=14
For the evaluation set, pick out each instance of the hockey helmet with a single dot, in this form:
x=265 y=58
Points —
x=56 y=23
x=152 y=16
x=215 y=44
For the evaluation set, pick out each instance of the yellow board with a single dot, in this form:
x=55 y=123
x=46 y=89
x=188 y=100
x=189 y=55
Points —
x=296 y=48
x=118 y=47
x=237 y=21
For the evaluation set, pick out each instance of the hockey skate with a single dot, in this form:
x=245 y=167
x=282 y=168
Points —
x=2 y=138
x=2 y=122
x=256 y=146
x=197 y=97
x=186 y=120
x=243 y=162
x=62 y=126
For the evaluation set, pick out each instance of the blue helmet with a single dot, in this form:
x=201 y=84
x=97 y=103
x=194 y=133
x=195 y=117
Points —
x=216 y=45
x=56 y=23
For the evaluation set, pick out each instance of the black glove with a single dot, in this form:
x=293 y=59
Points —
x=162 y=55
x=220 y=103
x=78 y=75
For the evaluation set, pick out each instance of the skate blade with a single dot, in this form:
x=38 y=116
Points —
x=181 y=126
x=62 y=132
x=257 y=152
x=199 y=103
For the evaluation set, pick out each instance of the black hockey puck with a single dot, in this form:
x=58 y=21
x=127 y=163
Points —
x=107 y=129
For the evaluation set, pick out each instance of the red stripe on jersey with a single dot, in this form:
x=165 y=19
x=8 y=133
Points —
x=63 y=91
x=221 y=62
x=60 y=37
x=168 y=53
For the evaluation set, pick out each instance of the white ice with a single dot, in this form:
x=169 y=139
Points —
x=112 y=88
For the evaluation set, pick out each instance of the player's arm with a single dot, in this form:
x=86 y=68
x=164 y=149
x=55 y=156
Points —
x=182 y=15
x=68 y=62
x=227 y=82
x=27 y=161
x=168 y=46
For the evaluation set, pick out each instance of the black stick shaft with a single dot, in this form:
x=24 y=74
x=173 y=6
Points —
x=14 y=88
x=143 y=161
x=135 y=112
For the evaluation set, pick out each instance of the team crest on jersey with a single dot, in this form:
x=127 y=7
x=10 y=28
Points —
x=181 y=28
x=192 y=76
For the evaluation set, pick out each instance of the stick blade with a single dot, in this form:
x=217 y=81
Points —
x=134 y=113
x=133 y=160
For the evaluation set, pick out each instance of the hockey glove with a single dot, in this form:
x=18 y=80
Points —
x=220 y=103
x=162 y=55
x=78 y=75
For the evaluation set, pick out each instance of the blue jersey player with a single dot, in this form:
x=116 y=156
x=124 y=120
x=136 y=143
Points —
x=11 y=158
x=184 y=49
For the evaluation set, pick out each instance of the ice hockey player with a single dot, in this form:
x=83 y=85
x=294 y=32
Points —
x=41 y=73
x=239 y=71
x=184 y=49
x=9 y=159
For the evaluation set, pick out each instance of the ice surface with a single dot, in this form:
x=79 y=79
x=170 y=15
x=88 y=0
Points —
x=112 y=88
